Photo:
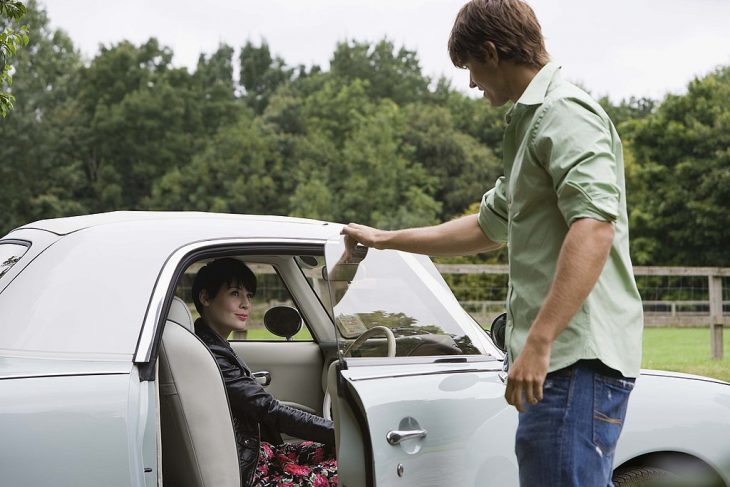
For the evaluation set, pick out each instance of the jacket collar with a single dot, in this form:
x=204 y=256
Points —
x=207 y=334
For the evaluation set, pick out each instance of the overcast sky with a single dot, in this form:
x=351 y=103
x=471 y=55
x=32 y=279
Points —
x=619 y=48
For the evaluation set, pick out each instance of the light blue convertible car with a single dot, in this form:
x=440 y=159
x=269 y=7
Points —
x=102 y=382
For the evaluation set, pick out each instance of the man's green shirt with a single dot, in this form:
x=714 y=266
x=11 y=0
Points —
x=563 y=161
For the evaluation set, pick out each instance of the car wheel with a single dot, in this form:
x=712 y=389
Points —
x=643 y=477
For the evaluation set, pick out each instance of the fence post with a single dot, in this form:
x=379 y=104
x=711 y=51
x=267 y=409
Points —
x=715 y=288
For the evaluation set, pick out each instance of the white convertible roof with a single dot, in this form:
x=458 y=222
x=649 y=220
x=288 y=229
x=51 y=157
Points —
x=64 y=226
x=90 y=282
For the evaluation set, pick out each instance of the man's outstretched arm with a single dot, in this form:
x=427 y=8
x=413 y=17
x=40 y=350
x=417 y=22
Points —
x=462 y=236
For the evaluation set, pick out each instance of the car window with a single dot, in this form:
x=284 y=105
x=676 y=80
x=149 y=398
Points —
x=10 y=254
x=385 y=290
x=271 y=292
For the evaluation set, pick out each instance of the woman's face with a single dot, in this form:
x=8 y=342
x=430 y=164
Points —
x=229 y=310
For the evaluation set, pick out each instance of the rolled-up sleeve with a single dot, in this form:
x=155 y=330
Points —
x=575 y=146
x=493 y=212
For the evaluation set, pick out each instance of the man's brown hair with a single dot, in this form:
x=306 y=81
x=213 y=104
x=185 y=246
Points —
x=510 y=25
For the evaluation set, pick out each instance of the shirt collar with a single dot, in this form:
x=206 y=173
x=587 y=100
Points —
x=535 y=92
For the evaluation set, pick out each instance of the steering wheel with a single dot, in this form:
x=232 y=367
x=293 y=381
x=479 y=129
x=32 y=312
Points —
x=367 y=334
x=327 y=404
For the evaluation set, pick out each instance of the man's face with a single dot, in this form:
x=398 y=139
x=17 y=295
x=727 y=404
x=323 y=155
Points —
x=489 y=77
x=229 y=310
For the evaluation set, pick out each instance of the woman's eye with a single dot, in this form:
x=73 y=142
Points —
x=234 y=293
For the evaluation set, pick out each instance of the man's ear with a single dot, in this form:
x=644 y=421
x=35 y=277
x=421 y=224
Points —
x=204 y=298
x=491 y=56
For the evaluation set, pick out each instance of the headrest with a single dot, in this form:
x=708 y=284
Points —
x=180 y=314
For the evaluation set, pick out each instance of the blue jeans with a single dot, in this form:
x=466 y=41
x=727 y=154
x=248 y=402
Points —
x=568 y=439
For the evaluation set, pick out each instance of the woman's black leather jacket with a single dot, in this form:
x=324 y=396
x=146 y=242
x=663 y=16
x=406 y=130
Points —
x=256 y=414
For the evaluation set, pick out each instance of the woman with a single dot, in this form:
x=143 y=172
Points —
x=222 y=292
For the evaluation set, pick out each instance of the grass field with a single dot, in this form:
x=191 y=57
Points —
x=676 y=349
x=685 y=350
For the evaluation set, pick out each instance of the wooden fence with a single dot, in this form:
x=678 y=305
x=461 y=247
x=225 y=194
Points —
x=705 y=313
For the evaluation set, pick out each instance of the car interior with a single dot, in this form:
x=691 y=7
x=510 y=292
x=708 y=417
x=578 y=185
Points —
x=297 y=367
x=196 y=428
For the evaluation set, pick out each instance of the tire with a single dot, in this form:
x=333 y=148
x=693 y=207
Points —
x=643 y=477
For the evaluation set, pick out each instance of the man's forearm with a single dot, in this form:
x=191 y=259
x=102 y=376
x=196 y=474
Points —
x=462 y=236
x=581 y=261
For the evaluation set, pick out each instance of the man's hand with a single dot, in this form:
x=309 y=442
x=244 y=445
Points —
x=364 y=235
x=527 y=374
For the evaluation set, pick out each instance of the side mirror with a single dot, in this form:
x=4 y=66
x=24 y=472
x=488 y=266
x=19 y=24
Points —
x=283 y=321
x=498 y=330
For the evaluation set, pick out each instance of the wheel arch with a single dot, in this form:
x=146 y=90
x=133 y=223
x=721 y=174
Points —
x=678 y=462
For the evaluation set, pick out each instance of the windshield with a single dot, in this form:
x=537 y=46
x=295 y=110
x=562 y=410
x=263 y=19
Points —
x=402 y=292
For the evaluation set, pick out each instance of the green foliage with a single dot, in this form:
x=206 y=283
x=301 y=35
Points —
x=240 y=171
x=379 y=184
x=681 y=178
x=11 y=38
x=391 y=73
x=626 y=110
x=448 y=154
x=38 y=179
x=261 y=74
x=370 y=140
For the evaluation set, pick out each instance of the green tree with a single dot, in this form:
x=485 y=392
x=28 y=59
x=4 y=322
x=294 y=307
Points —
x=390 y=73
x=314 y=160
x=261 y=74
x=476 y=117
x=380 y=184
x=240 y=171
x=132 y=123
x=627 y=110
x=463 y=168
x=215 y=87
x=138 y=117
x=39 y=179
x=337 y=109
x=11 y=38
x=681 y=177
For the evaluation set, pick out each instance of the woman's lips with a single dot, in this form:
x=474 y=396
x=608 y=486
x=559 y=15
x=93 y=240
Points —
x=242 y=317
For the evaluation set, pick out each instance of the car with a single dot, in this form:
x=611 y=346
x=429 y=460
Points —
x=104 y=383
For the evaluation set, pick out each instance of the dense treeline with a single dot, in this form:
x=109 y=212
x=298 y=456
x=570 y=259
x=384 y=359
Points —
x=370 y=140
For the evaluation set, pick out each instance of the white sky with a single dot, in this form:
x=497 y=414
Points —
x=619 y=48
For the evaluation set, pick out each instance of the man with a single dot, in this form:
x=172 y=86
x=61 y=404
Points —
x=574 y=313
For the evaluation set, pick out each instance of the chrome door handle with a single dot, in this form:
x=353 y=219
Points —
x=394 y=437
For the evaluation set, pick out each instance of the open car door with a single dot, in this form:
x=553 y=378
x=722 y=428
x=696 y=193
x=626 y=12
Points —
x=417 y=396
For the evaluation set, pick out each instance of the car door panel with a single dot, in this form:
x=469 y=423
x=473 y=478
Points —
x=295 y=367
x=462 y=410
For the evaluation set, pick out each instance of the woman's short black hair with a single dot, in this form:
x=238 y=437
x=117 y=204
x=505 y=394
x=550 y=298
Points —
x=213 y=275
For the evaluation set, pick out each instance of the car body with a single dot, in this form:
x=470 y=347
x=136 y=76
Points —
x=86 y=303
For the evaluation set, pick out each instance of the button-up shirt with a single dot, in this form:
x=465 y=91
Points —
x=563 y=161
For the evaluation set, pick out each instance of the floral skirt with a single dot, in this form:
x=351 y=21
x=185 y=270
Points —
x=305 y=464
